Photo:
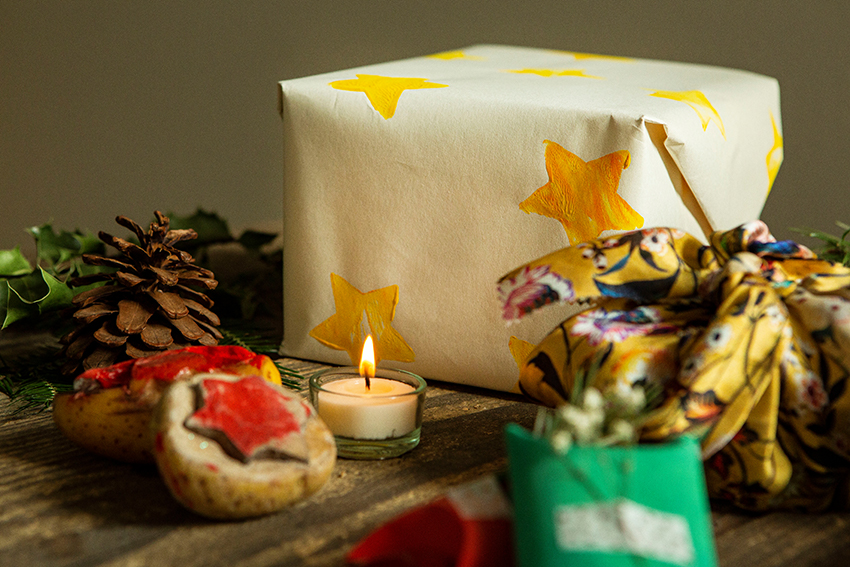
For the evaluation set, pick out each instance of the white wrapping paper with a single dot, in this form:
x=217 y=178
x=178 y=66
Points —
x=411 y=174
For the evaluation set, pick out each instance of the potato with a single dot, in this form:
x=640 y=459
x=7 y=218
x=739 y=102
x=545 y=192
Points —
x=231 y=447
x=109 y=412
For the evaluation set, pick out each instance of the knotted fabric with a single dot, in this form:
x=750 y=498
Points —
x=748 y=338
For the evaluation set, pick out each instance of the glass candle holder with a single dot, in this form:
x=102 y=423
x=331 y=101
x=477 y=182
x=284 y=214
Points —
x=382 y=422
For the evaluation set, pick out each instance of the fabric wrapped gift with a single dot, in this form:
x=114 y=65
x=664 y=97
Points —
x=410 y=186
x=748 y=338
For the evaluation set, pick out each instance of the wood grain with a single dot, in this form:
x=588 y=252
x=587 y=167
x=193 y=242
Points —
x=62 y=506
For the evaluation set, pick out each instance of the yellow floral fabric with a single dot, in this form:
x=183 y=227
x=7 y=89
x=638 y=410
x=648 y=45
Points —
x=748 y=337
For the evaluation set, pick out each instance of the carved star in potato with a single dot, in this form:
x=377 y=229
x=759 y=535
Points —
x=262 y=420
x=250 y=419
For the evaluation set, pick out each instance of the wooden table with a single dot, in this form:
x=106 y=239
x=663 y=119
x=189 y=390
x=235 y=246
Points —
x=60 y=505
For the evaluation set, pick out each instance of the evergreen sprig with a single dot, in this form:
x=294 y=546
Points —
x=834 y=249
x=33 y=379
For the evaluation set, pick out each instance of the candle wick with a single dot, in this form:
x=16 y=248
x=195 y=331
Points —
x=368 y=382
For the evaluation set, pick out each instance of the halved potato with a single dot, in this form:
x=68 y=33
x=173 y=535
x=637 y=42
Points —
x=232 y=447
x=109 y=412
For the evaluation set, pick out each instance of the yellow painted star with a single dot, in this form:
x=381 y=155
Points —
x=697 y=101
x=554 y=73
x=360 y=314
x=581 y=56
x=383 y=92
x=447 y=55
x=582 y=196
x=775 y=155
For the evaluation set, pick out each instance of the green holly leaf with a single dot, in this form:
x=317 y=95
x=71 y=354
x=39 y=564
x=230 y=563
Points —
x=11 y=307
x=33 y=294
x=210 y=227
x=54 y=248
x=13 y=263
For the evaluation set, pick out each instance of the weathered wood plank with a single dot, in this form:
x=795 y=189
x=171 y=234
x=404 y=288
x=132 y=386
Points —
x=61 y=506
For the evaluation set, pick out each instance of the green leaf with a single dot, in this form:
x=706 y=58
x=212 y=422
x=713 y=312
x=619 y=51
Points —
x=210 y=227
x=88 y=243
x=54 y=249
x=4 y=303
x=818 y=234
x=254 y=240
x=33 y=294
x=11 y=307
x=58 y=294
x=13 y=263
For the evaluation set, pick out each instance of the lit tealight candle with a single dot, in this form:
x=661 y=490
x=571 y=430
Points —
x=362 y=405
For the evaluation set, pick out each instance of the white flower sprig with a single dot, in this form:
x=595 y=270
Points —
x=591 y=417
x=594 y=418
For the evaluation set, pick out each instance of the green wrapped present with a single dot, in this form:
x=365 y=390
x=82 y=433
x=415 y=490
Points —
x=643 y=504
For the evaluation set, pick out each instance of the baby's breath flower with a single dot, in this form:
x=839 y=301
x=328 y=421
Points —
x=585 y=424
x=561 y=441
x=621 y=431
x=627 y=400
x=592 y=399
x=609 y=419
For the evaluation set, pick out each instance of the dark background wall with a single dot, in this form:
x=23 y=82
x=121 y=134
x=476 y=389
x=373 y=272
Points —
x=110 y=107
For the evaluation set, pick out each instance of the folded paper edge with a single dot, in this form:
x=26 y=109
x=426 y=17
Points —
x=658 y=134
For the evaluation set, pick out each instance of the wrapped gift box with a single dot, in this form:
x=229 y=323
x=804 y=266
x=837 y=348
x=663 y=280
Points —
x=418 y=183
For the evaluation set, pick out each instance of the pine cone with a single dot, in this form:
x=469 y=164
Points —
x=136 y=313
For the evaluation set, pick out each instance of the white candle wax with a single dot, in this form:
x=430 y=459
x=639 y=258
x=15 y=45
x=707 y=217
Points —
x=387 y=410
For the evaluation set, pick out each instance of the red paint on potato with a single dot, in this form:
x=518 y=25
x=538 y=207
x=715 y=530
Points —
x=170 y=365
x=249 y=412
x=108 y=377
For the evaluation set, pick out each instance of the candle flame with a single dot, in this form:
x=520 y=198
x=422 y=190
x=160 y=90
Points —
x=367 y=361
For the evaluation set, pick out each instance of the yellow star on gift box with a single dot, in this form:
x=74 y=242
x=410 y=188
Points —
x=554 y=73
x=359 y=314
x=580 y=56
x=583 y=195
x=458 y=54
x=699 y=102
x=383 y=92
x=774 y=156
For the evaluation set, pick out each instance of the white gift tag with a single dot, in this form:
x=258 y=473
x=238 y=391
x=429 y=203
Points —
x=625 y=526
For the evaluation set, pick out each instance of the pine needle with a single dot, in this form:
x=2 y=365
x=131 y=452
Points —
x=834 y=249
x=32 y=380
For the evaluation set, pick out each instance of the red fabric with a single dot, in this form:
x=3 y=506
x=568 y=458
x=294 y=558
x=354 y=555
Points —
x=436 y=535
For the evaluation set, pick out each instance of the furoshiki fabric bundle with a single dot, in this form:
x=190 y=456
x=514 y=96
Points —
x=749 y=338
